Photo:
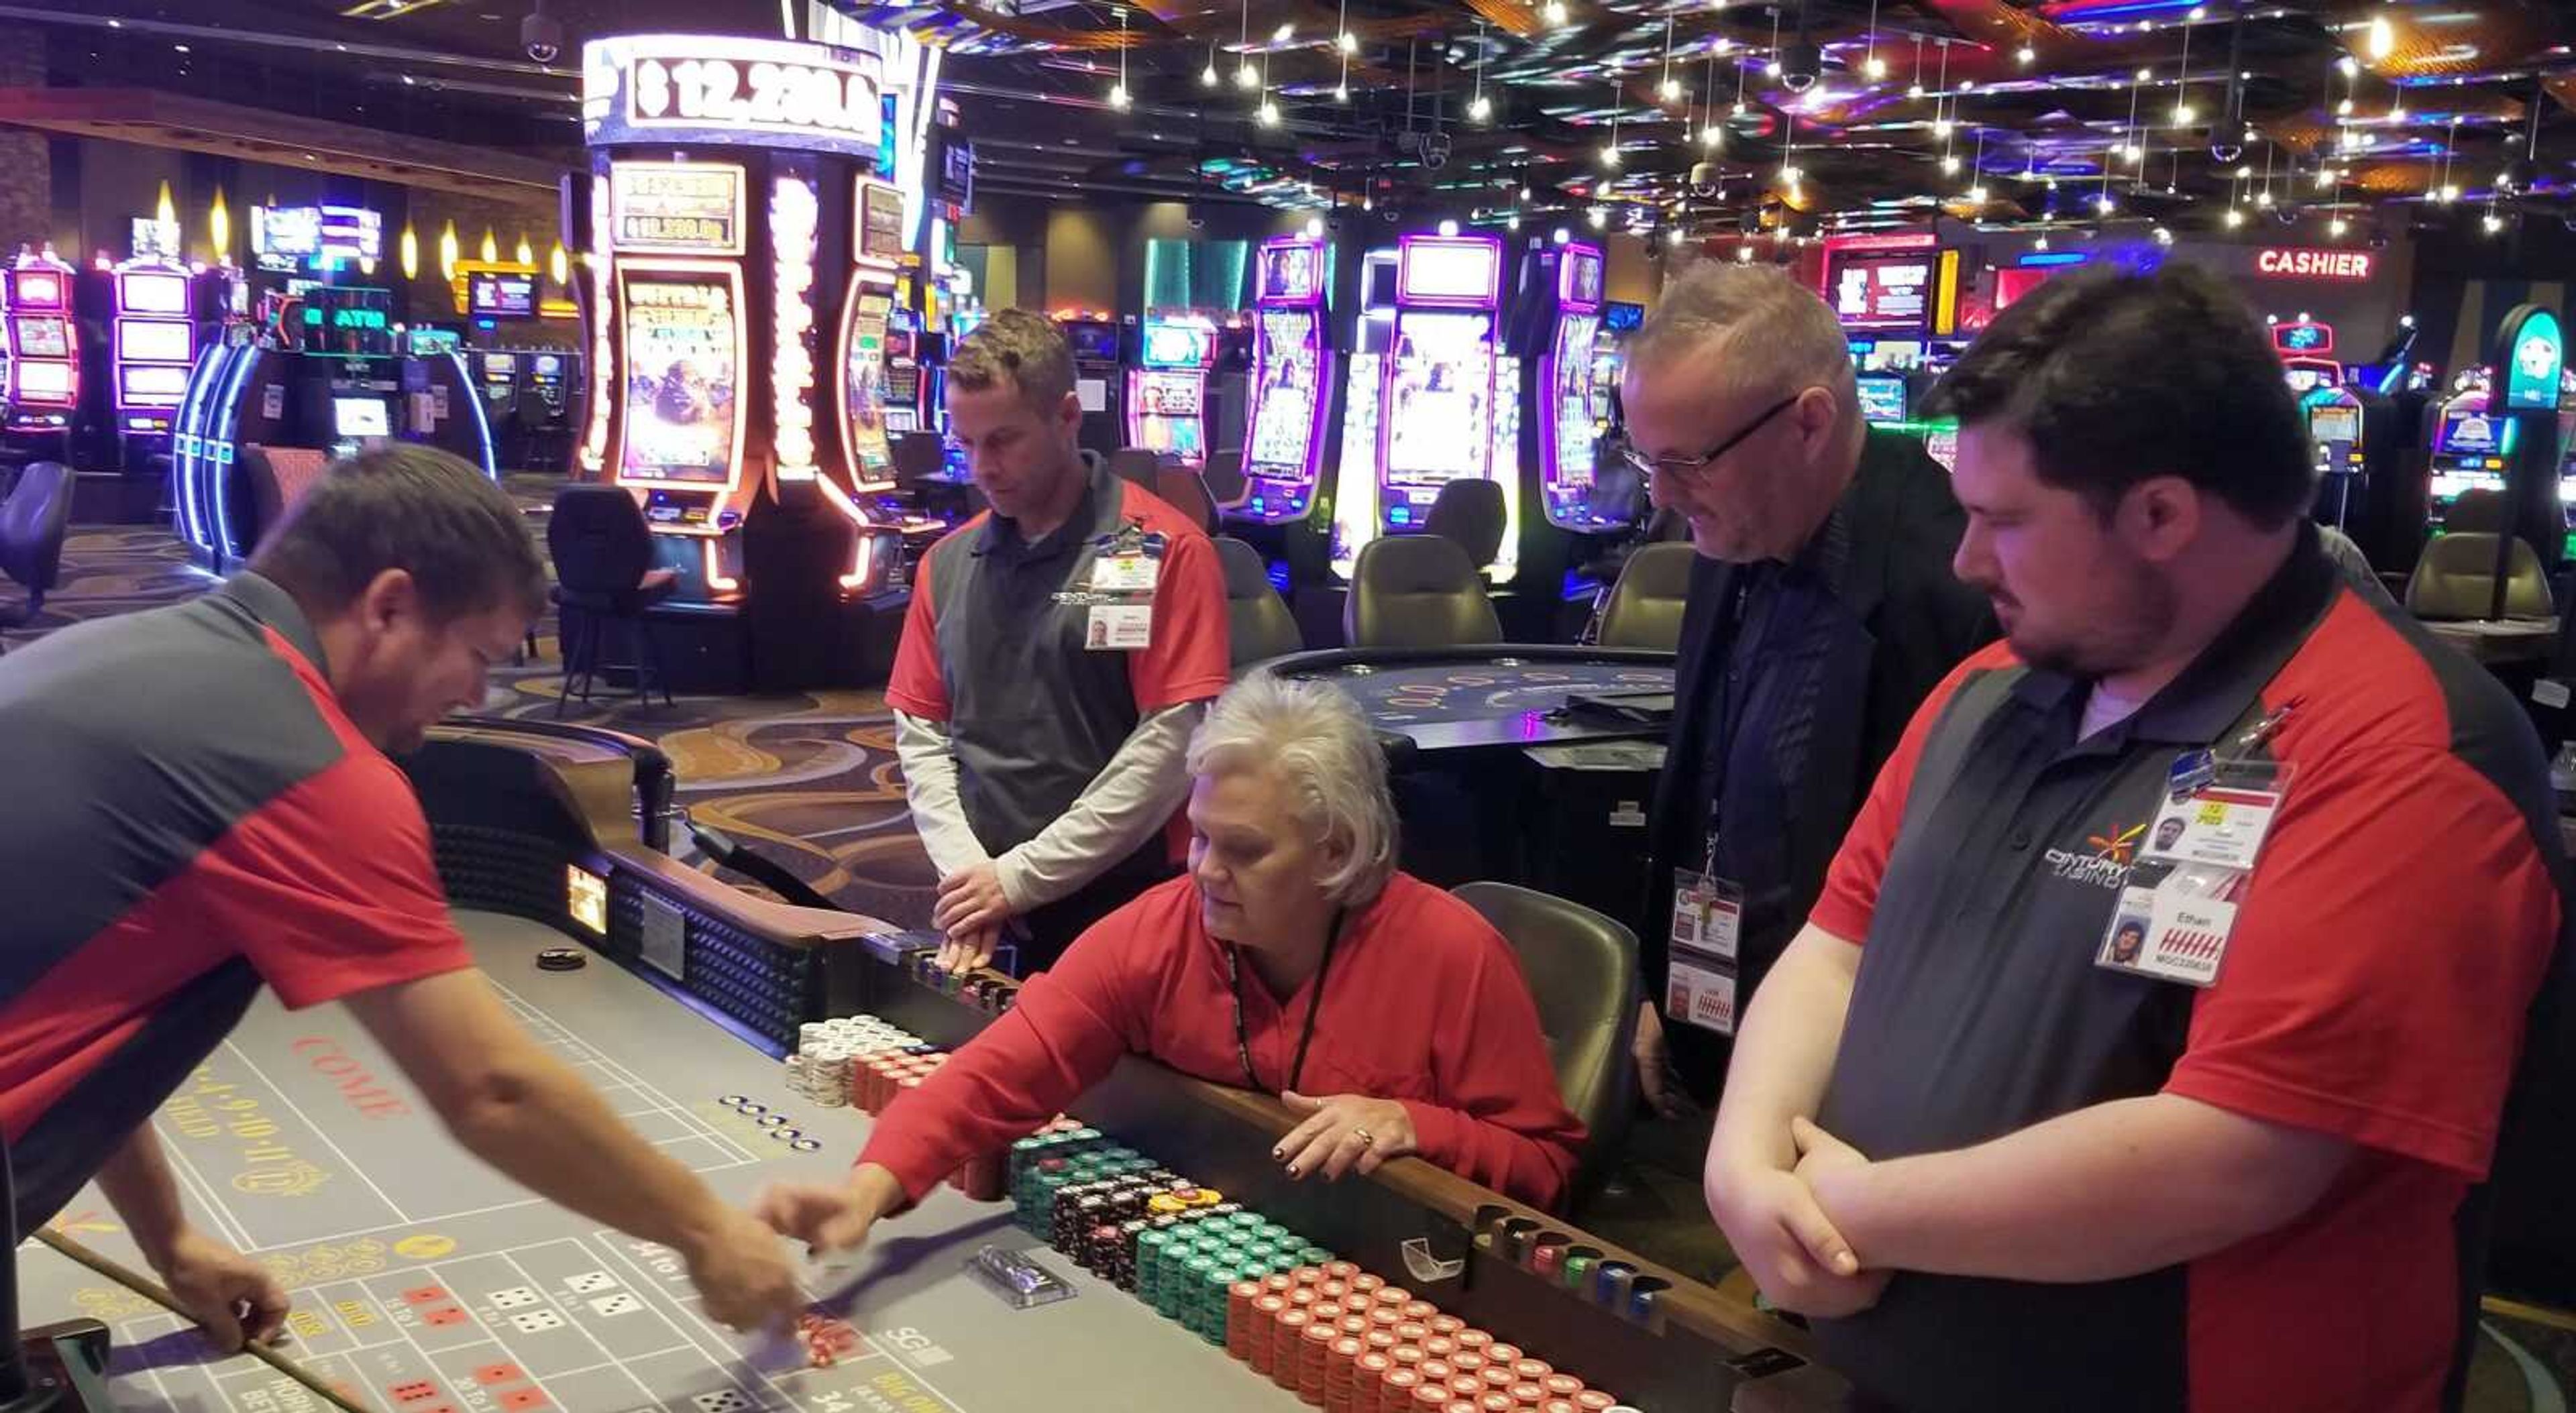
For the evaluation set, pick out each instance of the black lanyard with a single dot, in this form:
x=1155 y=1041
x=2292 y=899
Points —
x=1306 y=1037
x=1731 y=708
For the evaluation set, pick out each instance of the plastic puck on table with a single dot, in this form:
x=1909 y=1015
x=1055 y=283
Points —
x=806 y=1145
x=561 y=959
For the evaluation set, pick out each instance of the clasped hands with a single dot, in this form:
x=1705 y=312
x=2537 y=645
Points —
x=1779 y=1226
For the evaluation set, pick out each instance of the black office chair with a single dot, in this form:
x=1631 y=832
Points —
x=1224 y=478
x=603 y=554
x=1645 y=606
x=33 y=522
x=1472 y=514
x=1417 y=591
x=1258 y=625
x=1582 y=971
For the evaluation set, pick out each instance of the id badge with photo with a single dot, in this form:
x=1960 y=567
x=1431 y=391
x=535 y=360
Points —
x=2177 y=910
x=1707 y=930
x=1119 y=627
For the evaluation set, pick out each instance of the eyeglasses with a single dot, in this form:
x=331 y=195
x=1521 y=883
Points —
x=1691 y=468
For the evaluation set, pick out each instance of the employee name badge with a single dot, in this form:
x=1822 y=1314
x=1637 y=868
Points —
x=1708 y=921
x=1125 y=568
x=2178 y=908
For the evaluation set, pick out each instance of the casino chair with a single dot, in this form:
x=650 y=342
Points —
x=1258 y=625
x=1223 y=476
x=1582 y=972
x=603 y=554
x=1187 y=494
x=1645 y=607
x=33 y=522
x=1417 y=591
x=1135 y=464
x=2455 y=579
x=1471 y=513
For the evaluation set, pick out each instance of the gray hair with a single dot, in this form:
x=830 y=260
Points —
x=1764 y=327
x=1315 y=738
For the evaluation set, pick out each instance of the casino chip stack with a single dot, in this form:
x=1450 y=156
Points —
x=835 y=1058
x=1338 y=1337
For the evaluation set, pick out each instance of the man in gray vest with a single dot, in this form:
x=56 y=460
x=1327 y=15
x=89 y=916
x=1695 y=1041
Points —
x=1059 y=650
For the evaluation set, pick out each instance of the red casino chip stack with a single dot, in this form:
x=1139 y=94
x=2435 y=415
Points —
x=1341 y=1373
x=1239 y=1318
x=1395 y=1391
x=1288 y=1334
x=1262 y=1334
x=1314 y=1352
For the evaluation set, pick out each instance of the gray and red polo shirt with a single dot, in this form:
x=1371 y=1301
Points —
x=2386 y=953
x=190 y=814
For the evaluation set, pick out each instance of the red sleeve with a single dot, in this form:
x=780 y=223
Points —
x=1189 y=659
x=331 y=886
x=1505 y=1126
x=1850 y=894
x=916 y=686
x=1063 y=1035
x=2375 y=989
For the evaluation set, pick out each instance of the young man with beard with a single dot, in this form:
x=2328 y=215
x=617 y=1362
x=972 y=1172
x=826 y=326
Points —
x=2001 y=1166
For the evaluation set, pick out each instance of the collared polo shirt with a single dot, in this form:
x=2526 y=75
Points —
x=191 y=814
x=1032 y=713
x=2385 y=954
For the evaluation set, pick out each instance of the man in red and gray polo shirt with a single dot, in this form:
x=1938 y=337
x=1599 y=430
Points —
x=200 y=804
x=1059 y=650
x=2052 y=1107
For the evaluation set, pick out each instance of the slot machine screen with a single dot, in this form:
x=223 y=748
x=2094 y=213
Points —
x=45 y=380
x=154 y=294
x=2335 y=424
x=1882 y=399
x=154 y=341
x=43 y=336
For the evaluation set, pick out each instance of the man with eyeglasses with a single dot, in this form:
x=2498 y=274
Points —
x=1822 y=611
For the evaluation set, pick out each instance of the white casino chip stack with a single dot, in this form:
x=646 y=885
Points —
x=828 y=1050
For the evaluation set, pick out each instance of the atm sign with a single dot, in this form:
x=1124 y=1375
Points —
x=2303 y=263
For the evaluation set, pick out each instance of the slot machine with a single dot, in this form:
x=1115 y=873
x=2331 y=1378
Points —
x=155 y=337
x=44 y=352
x=2469 y=449
x=1448 y=404
x=1559 y=328
x=1167 y=404
x=1293 y=368
x=738 y=188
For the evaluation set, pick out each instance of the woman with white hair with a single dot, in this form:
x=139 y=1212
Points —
x=1293 y=957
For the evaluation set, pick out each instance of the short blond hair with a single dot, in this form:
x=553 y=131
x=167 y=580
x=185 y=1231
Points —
x=1314 y=736
x=1768 y=330
x=1019 y=347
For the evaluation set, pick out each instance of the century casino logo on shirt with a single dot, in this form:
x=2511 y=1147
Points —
x=2104 y=862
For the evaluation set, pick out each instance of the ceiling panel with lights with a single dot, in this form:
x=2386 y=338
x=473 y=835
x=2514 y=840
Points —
x=2343 y=118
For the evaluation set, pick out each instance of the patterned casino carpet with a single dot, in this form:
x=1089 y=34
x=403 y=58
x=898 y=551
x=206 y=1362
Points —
x=813 y=778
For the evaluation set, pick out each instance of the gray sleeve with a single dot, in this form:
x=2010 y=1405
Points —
x=930 y=789
x=1127 y=803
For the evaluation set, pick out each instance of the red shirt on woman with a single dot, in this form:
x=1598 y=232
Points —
x=1424 y=1004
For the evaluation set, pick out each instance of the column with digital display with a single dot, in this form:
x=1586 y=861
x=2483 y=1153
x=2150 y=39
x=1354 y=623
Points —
x=1567 y=432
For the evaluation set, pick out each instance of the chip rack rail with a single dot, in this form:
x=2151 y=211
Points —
x=523 y=816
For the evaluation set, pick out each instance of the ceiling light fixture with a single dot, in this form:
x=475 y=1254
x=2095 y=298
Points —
x=1118 y=92
x=2026 y=54
x=1283 y=34
x=1556 y=12
x=1207 y=75
x=2382 y=38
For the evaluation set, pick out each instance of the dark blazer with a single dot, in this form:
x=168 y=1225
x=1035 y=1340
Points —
x=1841 y=645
